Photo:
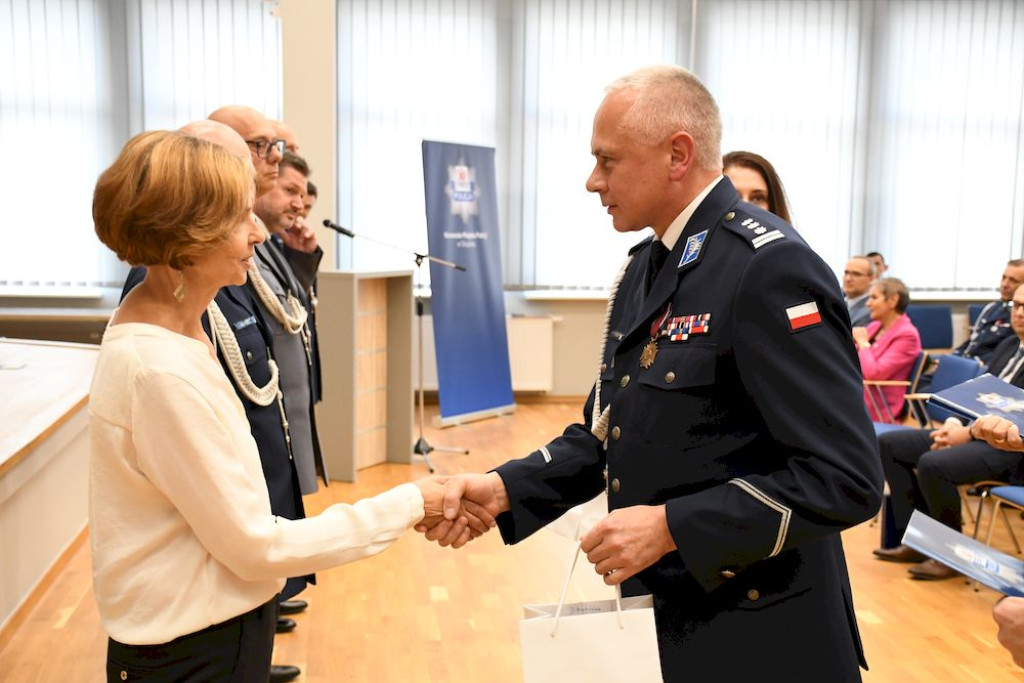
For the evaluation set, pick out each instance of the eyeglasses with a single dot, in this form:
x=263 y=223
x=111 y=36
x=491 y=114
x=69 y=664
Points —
x=854 y=273
x=264 y=148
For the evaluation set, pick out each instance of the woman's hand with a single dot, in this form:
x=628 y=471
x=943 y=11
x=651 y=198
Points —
x=470 y=522
x=860 y=337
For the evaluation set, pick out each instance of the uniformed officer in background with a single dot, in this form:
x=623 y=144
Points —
x=993 y=323
x=727 y=416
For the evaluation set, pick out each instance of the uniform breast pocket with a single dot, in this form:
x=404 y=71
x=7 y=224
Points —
x=678 y=405
x=253 y=349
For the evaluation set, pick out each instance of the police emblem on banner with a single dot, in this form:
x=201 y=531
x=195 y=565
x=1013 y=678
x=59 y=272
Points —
x=462 y=190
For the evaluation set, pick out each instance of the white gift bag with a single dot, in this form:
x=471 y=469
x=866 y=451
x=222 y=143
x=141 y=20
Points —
x=577 y=521
x=590 y=642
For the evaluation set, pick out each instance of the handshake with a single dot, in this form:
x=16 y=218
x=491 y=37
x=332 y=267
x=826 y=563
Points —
x=459 y=508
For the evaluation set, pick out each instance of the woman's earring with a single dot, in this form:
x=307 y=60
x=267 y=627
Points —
x=179 y=291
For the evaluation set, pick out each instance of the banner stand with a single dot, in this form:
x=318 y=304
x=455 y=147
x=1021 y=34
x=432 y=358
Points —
x=456 y=420
x=474 y=377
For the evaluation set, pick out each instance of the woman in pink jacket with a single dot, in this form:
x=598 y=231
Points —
x=888 y=346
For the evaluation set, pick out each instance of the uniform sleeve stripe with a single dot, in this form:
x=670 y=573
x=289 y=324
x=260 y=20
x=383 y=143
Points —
x=784 y=511
x=544 y=452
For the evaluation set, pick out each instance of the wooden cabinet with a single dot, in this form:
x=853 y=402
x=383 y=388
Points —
x=364 y=321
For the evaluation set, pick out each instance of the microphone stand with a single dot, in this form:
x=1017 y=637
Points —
x=421 y=448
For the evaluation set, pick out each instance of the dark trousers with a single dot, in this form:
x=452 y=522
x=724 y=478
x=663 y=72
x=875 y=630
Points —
x=235 y=651
x=927 y=480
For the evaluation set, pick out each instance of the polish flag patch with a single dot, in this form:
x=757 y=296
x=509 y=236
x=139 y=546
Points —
x=803 y=315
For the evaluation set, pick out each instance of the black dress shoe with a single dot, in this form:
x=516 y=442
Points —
x=900 y=553
x=285 y=625
x=283 y=674
x=932 y=570
x=291 y=606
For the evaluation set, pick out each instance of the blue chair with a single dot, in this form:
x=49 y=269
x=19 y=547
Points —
x=1012 y=496
x=934 y=323
x=949 y=371
x=876 y=396
x=973 y=311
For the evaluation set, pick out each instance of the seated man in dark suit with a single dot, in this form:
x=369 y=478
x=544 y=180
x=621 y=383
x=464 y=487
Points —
x=925 y=468
x=993 y=324
x=857 y=279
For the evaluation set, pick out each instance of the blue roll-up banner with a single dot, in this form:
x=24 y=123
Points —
x=470 y=340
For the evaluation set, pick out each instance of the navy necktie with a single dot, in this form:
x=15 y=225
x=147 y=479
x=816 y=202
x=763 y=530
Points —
x=657 y=256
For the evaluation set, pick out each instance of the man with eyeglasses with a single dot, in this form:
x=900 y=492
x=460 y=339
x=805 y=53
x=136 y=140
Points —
x=286 y=133
x=993 y=323
x=264 y=144
x=857 y=279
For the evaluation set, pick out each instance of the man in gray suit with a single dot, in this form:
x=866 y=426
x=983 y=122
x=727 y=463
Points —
x=857 y=279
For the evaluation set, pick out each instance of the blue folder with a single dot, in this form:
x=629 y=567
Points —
x=984 y=395
x=971 y=558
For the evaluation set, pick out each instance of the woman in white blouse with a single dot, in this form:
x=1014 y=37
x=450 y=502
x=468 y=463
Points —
x=187 y=557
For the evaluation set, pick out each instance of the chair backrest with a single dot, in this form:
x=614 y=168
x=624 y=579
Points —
x=876 y=394
x=950 y=370
x=916 y=371
x=973 y=311
x=934 y=323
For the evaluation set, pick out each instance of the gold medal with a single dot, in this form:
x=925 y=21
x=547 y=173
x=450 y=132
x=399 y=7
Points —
x=650 y=352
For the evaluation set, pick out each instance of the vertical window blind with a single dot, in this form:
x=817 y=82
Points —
x=896 y=126
x=77 y=79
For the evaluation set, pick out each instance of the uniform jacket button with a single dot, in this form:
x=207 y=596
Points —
x=624 y=381
x=124 y=675
x=729 y=216
x=248 y=355
x=604 y=366
x=670 y=377
x=616 y=432
x=615 y=485
x=753 y=595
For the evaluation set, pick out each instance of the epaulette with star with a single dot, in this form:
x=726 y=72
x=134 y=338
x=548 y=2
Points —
x=753 y=232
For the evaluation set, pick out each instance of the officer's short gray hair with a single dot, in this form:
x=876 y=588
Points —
x=669 y=99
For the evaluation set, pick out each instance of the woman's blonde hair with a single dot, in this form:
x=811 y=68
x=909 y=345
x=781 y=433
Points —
x=169 y=198
x=891 y=286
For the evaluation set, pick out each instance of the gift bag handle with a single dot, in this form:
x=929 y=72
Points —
x=565 y=590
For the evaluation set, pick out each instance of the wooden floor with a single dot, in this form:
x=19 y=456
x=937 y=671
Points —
x=423 y=613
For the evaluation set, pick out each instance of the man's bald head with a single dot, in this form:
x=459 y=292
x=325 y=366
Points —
x=246 y=121
x=287 y=133
x=258 y=133
x=219 y=134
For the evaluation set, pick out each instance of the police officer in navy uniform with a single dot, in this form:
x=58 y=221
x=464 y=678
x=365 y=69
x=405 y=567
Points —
x=726 y=421
x=993 y=323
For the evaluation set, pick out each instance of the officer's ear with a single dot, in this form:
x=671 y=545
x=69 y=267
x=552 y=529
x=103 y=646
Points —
x=682 y=155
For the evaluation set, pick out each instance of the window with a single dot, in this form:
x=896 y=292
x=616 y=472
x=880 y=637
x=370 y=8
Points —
x=895 y=126
x=80 y=77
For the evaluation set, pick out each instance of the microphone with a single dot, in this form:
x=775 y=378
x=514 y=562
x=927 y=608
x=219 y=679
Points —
x=328 y=223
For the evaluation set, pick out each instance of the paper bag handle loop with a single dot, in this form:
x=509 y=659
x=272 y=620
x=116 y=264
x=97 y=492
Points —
x=565 y=590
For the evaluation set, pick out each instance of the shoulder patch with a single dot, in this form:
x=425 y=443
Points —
x=756 y=234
